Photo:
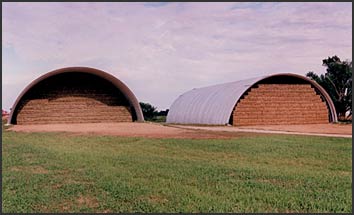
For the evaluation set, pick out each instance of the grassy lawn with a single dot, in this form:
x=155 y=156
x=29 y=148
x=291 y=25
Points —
x=58 y=172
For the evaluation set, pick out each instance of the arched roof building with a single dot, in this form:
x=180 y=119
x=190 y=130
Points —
x=75 y=95
x=275 y=99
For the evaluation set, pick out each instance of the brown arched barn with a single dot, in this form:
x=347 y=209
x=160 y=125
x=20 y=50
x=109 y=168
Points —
x=75 y=95
x=271 y=100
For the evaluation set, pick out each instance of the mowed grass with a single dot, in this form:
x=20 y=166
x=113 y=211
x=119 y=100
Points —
x=58 y=172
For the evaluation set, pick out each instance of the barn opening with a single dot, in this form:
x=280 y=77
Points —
x=71 y=96
x=281 y=100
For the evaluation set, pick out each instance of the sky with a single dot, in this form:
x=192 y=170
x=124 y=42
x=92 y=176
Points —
x=161 y=50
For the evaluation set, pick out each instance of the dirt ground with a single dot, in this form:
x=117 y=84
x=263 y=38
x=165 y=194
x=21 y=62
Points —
x=310 y=128
x=329 y=130
x=155 y=130
x=150 y=130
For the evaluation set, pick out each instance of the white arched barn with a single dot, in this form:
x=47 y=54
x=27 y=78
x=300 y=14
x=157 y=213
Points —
x=269 y=100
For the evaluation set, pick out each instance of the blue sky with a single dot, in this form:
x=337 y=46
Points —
x=161 y=50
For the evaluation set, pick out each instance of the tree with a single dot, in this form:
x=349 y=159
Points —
x=337 y=81
x=149 y=111
x=163 y=112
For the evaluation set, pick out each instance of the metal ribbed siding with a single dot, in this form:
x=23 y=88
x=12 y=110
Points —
x=214 y=105
x=208 y=105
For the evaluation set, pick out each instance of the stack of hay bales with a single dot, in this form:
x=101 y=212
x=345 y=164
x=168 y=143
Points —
x=280 y=104
x=74 y=107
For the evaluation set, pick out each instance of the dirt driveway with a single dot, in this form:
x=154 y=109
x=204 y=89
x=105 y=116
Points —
x=150 y=130
x=329 y=130
x=345 y=129
x=155 y=130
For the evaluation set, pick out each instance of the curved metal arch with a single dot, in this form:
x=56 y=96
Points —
x=116 y=82
x=214 y=104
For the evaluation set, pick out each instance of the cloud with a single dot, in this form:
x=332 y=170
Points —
x=155 y=4
x=161 y=50
x=248 y=5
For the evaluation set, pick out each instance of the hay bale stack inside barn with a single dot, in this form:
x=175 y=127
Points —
x=281 y=99
x=76 y=95
x=272 y=103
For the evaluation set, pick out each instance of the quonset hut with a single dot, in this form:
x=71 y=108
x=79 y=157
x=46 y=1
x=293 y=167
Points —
x=75 y=95
x=269 y=100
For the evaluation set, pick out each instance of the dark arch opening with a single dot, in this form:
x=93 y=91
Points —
x=283 y=80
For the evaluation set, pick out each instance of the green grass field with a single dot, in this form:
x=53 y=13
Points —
x=58 y=172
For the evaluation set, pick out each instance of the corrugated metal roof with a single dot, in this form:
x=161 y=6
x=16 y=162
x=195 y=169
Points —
x=213 y=105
